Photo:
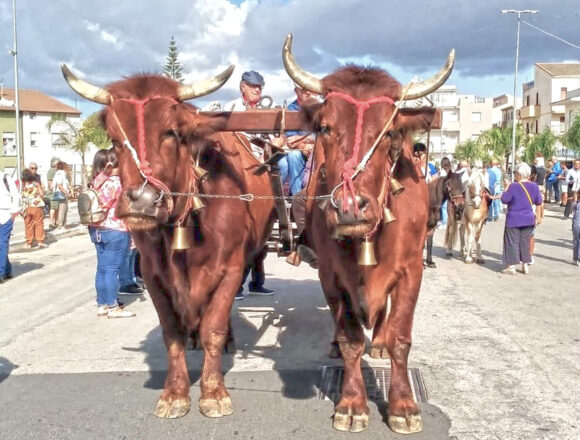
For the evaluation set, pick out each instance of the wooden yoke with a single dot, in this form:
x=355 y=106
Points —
x=269 y=121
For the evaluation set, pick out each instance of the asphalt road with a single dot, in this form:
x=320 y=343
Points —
x=499 y=354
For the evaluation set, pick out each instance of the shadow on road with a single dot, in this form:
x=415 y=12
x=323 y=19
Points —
x=6 y=368
x=22 y=268
x=560 y=242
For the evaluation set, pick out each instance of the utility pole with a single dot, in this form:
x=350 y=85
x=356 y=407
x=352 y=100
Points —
x=14 y=53
x=519 y=12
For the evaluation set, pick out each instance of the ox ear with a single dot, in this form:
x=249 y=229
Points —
x=422 y=118
x=310 y=115
x=191 y=122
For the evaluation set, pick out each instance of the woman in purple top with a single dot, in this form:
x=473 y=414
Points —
x=524 y=201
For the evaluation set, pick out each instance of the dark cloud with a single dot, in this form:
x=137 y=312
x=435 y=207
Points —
x=110 y=39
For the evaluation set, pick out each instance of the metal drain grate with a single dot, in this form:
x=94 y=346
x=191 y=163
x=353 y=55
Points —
x=376 y=380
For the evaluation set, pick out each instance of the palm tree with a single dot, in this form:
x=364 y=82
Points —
x=79 y=137
x=543 y=143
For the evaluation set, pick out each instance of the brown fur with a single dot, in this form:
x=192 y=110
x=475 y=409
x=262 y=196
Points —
x=357 y=295
x=192 y=290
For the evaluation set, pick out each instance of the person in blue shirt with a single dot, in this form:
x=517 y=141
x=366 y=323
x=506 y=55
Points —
x=553 y=181
x=299 y=145
x=494 y=174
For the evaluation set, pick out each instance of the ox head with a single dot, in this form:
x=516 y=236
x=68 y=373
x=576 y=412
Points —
x=153 y=133
x=358 y=104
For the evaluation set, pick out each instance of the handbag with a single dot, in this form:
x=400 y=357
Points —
x=529 y=198
x=59 y=196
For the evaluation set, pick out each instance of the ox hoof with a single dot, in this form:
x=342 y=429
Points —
x=379 y=352
x=448 y=254
x=216 y=408
x=405 y=425
x=431 y=265
x=344 y=420
x=468 y=261
x=480 y=261
x=334 y=352
x=172 y=409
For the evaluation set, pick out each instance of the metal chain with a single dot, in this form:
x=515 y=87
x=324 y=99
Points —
x=246 y=197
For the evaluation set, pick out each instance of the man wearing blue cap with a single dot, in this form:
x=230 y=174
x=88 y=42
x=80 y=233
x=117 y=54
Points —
x=251 y=89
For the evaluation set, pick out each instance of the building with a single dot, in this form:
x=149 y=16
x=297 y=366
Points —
x=464 y=117
x=542 y=97
x=503 y=111
x=38 y=142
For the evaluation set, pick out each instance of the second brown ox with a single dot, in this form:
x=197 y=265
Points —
x=355 y=164
x=161 y=142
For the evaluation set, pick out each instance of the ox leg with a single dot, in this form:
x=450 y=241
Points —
x=404 y=415
x=214 y=333
x=351 y=413
x=174 y=401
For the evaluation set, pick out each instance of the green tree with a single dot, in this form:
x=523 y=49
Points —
x=544 y=143
x=173 y=68
x=498 y=141
x=79 y=137
x=470 y=150
x=572 y=136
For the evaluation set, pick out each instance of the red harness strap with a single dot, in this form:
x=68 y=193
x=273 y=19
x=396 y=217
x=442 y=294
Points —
x=349 y=167
x=145 y=166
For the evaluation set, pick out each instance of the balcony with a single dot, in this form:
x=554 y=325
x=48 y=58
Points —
x=530 y=111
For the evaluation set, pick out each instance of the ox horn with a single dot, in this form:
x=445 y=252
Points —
x=86 y=90
x=423 y=88
x=205 y=87
x=301 y=77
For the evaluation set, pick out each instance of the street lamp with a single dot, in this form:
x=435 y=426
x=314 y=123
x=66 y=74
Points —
x=519 y=12
x=14 y=52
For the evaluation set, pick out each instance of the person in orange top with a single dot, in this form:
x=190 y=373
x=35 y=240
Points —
x=33 y=209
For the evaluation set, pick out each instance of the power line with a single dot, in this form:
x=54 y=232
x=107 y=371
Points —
x=551 y=35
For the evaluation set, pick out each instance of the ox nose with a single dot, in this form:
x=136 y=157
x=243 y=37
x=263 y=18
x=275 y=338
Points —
x=142 y=200
x=350 y=215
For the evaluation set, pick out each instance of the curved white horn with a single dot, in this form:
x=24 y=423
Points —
x=423 y=88
x=83 y=88
x=301 y=77
x=205 y=87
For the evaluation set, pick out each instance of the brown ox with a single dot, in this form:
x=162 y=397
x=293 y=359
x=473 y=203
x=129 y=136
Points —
x=357 y=295
x=192 y=290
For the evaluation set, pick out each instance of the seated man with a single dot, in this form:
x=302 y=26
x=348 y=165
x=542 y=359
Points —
x=251 y=86
x=299 y=144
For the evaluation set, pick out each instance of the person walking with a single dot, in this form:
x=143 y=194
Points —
x=573 y=187
x=576 y=230
x=49 y=192
x=9 y=209
x=110 y=237
x=61 y=192
x=33 y=210
x=521 y=197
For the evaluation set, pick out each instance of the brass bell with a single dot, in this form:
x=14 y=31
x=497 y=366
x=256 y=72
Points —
x=181 y=240
x=396 y=187
x=388 y=216
x=200 y=173
x=366 y=255
x=197 y=204
x=322 y=204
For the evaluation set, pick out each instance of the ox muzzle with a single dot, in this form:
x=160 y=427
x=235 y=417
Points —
x=143 y=207
x=355 y=219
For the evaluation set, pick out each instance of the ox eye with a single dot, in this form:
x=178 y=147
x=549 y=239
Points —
x=389 y=134
x=324 y=130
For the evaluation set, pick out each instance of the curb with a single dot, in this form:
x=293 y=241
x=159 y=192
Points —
x=18 y=245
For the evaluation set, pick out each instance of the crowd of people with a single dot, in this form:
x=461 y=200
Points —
x=521 y=201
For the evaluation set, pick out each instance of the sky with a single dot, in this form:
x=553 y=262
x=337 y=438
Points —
x=104 y=41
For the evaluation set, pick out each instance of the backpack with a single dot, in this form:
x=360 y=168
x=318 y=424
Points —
x=89 y=207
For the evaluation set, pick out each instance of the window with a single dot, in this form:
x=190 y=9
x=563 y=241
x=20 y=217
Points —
x=475 y=116
x=527 y=128
x=8 y=144
x=57 y=140
x=563 y=92
x=527 y=100
x=33 y=139
x=450 y=116
x=536 y=126
x=537 y=98
x=562 y=119
x=474 y=137
x=32 y=115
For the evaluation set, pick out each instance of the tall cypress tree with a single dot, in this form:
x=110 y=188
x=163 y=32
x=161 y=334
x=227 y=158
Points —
x=172 y=67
